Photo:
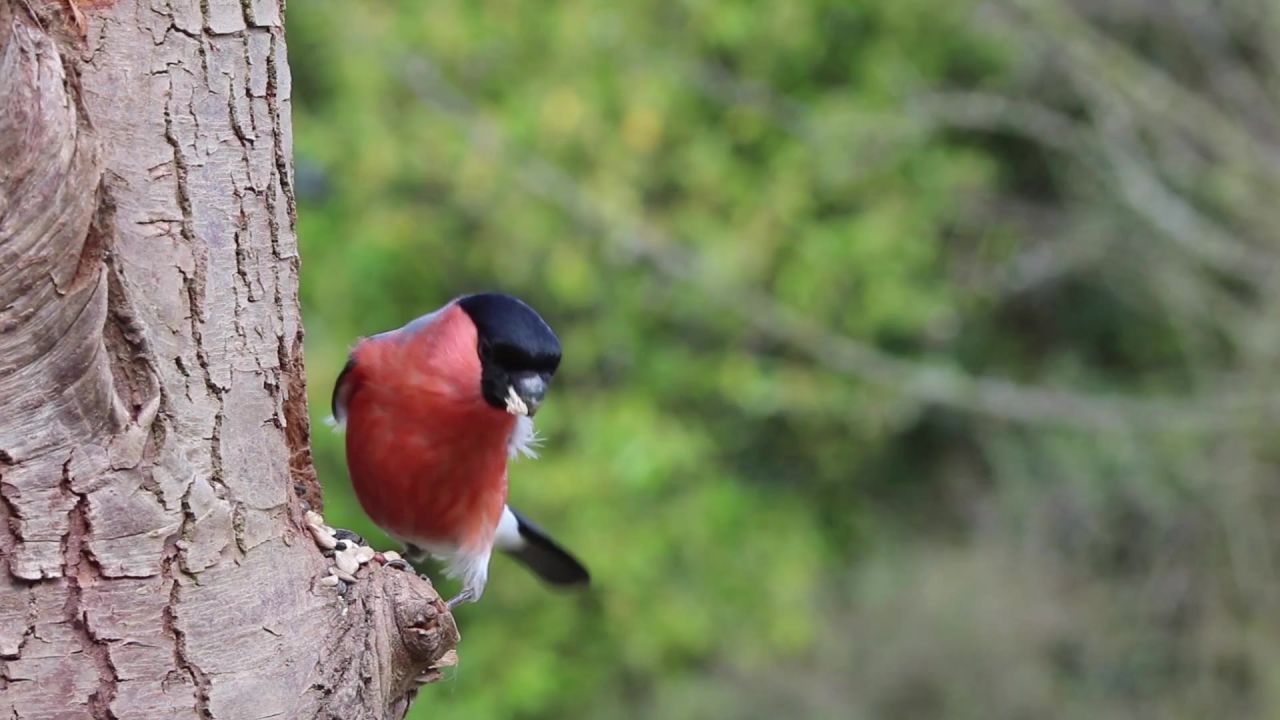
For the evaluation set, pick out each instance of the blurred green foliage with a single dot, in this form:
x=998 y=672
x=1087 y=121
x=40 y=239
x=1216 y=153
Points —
x=776 y=245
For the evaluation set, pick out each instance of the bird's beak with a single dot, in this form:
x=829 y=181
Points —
x=526 y=394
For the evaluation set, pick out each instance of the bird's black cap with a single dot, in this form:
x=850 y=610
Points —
x=515 y=344
x=516 y=336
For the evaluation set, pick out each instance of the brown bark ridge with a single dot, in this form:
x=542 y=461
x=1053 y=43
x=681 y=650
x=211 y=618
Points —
x=154 y=462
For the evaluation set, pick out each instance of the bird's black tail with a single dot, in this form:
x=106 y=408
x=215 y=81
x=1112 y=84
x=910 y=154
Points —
x=544 y=557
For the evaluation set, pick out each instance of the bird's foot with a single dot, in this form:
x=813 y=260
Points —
x=392 y=559
x=465 y=596
x=350 y=552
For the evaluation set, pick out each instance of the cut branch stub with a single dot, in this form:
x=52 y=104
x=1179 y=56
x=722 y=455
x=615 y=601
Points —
x=409 y=639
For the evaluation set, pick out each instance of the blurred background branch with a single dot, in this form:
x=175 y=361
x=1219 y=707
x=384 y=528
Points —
x=631 y=238
x=920 y=357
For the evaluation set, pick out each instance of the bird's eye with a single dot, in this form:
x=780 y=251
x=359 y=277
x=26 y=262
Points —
x=503 y=355
x=513 y=358
x=508 y=356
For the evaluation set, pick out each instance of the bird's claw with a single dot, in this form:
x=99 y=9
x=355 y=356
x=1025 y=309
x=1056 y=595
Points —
x=349 y=552
x=466 y=596
x=397 y=563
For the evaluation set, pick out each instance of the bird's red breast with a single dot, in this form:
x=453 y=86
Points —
x=427 y=454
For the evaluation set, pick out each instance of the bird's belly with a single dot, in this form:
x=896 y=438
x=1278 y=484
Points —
x=449 y=501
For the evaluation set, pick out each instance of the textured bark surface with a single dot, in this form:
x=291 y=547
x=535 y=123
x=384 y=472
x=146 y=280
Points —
x=154 y=462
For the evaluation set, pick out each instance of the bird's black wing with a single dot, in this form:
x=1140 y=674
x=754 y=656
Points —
x=545 y=557
x=342 y=390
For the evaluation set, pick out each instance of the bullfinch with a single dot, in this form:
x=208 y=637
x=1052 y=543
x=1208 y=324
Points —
x=433 y=411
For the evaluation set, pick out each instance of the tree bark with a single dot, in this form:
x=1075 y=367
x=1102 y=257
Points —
x=154 y=460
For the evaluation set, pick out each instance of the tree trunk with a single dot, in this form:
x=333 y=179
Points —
x=154 y=461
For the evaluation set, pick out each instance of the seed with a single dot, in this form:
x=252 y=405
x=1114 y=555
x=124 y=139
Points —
x=346 y=561
x=364 y=554
x=390 y=556
x=323 y=539
x=345 y=534
x=314 y=518
x=345 y=576
x=329 y=580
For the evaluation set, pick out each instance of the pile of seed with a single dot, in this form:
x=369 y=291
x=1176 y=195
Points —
x=347 y=549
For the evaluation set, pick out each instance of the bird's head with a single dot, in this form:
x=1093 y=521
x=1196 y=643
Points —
x=518 y=352
x=478 y=353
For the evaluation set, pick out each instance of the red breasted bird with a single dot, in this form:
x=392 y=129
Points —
x=433 y=411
